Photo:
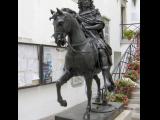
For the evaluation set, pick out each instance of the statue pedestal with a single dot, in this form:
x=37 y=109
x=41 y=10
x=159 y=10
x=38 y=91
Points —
x=98 y=112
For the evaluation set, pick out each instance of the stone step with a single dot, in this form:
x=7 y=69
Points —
x=134 y=101
x=138 y=86
x=134 y=107
x=135 y=116
x=136 y=94
x=125 y=115
x=138 y=81
x=137 y=110
x=135 y=97
x=136 y=90
x=51 y=117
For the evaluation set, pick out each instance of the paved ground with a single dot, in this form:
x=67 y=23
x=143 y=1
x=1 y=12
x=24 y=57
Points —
x=134 y=103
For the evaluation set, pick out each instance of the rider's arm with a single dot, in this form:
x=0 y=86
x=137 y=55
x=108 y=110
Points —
x=95 y=27
x=78 y=18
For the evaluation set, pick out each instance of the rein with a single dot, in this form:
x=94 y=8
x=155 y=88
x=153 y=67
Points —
x=71 y=46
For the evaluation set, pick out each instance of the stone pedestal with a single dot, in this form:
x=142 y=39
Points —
x=77 y=112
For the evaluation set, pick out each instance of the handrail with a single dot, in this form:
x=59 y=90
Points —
x=120 y=69
x=130 y=24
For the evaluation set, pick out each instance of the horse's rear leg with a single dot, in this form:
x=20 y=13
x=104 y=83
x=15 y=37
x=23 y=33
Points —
x=88 y=81
x=98 y=97
x=63 y=79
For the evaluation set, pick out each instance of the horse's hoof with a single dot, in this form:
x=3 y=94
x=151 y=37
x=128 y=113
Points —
x=86 y=116
x=63 y=103
x=111 y=88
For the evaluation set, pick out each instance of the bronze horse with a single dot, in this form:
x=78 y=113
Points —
x=81 y=58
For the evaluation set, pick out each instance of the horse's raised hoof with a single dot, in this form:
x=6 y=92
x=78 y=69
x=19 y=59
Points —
x=63 y=103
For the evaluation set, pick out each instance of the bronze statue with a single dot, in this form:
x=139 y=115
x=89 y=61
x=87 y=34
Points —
x=87 y=53
x=92 y=25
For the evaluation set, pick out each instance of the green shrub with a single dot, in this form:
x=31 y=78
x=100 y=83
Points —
x=134 y=65
x=118 y=98
x=132 y=74
x=125 y=86
x=129 y=34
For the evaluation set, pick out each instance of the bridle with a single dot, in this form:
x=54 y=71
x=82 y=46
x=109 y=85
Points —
x=63 y=34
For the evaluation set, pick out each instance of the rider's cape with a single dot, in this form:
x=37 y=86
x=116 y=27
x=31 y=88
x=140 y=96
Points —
x=90 y=18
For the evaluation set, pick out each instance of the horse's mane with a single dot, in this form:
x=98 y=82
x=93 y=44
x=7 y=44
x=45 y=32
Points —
x=72 y=12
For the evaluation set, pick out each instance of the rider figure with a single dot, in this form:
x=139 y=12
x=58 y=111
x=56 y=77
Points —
x=92 y=25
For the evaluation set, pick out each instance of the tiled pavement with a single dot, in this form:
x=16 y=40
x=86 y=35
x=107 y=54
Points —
x=134 y=103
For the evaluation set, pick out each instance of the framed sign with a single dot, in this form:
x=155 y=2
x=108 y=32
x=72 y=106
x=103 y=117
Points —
x=28 y=65
x=53 y=63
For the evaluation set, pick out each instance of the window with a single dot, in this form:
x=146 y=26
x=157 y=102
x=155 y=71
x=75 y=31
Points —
x=106 y=31
x=123 y=19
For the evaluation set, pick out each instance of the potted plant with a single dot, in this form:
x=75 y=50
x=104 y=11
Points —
x=123 y=91
x=118 y=97
x=132 y=74
x=134 y=65
x=129 y=34
x=125 y=86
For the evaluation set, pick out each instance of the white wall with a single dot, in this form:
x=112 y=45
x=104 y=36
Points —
x=34 y=19
x=124 y=47
x=111 y=9
x=133 y=12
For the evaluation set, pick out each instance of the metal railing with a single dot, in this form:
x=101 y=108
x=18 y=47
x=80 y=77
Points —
x=135 y=27
x=129 y=55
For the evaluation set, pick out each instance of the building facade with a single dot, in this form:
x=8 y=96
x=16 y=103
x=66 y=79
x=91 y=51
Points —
x=40 y=62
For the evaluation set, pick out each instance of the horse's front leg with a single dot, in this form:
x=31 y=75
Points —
x=63 y=79
x=89 y=96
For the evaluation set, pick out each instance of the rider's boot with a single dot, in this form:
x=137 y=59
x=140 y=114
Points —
x=108 y=82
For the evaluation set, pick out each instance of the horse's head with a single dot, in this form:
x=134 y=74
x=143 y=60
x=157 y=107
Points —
x=62 y=26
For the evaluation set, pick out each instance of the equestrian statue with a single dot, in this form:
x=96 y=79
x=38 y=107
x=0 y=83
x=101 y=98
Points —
x=87 y=52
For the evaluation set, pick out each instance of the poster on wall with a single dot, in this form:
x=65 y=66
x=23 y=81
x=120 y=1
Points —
x=47 y=66
x=28 y=65
x=53 y=63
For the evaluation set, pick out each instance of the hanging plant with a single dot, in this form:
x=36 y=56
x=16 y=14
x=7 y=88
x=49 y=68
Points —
x=129 y=34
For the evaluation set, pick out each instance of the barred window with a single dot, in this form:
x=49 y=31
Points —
x=106 y=31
